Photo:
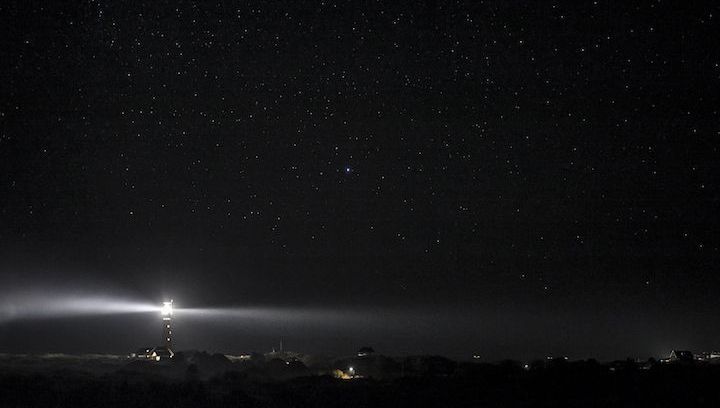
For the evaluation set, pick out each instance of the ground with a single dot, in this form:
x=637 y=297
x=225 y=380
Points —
x=204 y=380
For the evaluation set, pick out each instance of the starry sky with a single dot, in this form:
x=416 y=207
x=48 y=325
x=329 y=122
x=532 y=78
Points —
x=524 y=177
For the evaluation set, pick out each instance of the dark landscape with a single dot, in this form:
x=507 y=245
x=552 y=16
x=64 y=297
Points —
x=197 y=379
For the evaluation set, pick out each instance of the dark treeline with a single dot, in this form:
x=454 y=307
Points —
x=437 y=383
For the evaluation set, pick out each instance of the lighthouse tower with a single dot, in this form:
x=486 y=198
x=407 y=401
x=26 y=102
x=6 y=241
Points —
x=166 y=312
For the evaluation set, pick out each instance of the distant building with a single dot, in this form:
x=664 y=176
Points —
x=152 y=353
x=162 y=353
x=679 y=356
x=365 y=351
x=142 y=353
x=710 y=356
x=239 y=357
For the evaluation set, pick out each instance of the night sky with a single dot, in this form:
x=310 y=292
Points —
x=508 y=178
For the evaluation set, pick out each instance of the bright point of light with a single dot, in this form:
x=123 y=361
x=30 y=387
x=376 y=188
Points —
x=167 y=309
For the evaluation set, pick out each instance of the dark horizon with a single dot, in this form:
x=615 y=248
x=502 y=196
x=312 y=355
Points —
x=510 y=179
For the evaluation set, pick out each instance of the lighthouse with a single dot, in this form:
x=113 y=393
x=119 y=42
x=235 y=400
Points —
x=166 y=312
x=164 y=350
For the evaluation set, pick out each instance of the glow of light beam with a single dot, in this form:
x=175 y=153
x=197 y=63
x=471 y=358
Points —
x=38 y=306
